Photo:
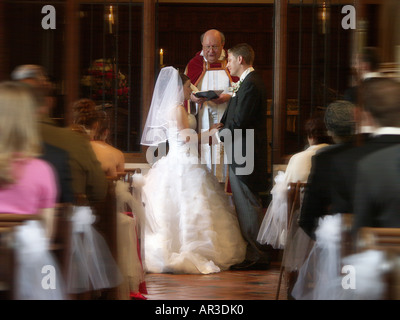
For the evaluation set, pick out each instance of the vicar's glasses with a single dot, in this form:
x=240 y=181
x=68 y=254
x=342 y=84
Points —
x=208 y=48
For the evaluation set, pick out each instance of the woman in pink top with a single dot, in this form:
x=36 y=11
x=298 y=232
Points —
x=27 y=184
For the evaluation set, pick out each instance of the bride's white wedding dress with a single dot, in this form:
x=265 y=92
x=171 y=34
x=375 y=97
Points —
x=191 y=227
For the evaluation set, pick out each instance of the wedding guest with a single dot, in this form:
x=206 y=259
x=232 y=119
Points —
x=27 y=183
x=366 y=66
x=57 y=157
x=207 y=71
x=112 y=159
x=95 y=124
x=88 y=178
x=190 y=224
x=245 y=129
x=274 y=228
x=380 y=101
x=317 y=201
x=84 y=117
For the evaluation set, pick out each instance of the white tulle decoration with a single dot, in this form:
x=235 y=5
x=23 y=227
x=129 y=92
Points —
x=92 y=265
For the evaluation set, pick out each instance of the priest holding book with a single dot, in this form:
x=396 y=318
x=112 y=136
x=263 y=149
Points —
x=207 y=71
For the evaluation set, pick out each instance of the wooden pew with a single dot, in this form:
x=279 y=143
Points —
x=347 y=241
x=7 y=264
x=387 y=240
x=106 y=225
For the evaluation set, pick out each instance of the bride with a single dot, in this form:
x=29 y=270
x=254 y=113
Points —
x=190 y=224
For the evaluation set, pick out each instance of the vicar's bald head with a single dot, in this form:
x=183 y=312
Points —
x=381 y=98
x=213 y=42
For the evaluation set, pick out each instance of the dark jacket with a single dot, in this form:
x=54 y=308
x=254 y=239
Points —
x=247 y=110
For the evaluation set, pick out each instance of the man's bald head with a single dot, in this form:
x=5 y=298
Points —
x=213 y=42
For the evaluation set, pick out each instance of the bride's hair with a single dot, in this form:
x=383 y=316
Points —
x=184 y=78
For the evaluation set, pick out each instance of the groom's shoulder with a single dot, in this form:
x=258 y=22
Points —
x=255 y=78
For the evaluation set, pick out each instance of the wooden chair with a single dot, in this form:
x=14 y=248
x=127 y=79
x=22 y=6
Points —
x=106 y=225
x=347 y=241
x=294 y=197
x=387 y=240
x=106 y=212
x=62 y=237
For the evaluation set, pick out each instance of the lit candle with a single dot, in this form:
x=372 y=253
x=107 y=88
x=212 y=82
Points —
x=161 y=57
x=110 y=19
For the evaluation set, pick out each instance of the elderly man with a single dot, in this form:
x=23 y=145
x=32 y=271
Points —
x=207 y=71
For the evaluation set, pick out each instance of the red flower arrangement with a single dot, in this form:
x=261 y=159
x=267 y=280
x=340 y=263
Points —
x=105 y=82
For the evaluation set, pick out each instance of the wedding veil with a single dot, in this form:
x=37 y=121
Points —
x=168 y=93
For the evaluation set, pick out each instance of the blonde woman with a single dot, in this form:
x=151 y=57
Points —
x=27 y=184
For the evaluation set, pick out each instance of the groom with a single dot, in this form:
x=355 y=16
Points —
x=244 y=135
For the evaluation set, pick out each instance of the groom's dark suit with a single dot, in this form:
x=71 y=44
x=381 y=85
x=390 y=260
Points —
x=247 y=110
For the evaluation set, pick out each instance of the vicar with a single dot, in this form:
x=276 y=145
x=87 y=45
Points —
x=207 y=71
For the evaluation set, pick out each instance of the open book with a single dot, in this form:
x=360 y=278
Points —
x=210 y=94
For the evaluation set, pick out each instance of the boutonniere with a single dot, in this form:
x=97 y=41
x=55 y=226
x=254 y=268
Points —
x=235 y=87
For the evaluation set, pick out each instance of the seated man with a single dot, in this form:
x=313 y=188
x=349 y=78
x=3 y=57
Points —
x=87 y=176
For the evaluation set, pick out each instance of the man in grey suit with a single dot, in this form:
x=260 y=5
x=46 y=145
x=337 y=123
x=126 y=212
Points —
x=245 y=132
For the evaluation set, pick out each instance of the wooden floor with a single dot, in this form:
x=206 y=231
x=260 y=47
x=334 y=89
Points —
x=226 y=285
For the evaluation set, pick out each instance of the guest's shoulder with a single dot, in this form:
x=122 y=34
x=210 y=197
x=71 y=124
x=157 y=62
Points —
x=386 y=154
x=333 y=149
x=53 y=150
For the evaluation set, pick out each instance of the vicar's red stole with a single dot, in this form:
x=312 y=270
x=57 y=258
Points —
x=197 y=67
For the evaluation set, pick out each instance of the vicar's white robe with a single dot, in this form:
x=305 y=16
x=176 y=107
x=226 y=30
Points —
x=209 y=114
